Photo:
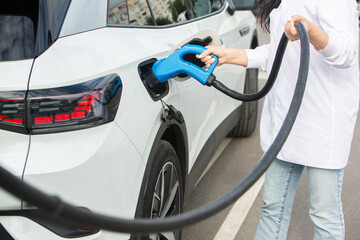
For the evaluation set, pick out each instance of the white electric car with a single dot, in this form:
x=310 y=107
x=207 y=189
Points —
x=78 y=119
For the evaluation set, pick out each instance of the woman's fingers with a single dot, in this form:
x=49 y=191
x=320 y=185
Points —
x=290 y=29
x=206 y=56
x=206 y=53
x=210 y=61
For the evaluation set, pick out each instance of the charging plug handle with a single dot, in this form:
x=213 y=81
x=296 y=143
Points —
x=175 y=64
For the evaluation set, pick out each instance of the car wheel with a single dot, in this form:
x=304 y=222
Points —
x=248 y=110
x=164 y=194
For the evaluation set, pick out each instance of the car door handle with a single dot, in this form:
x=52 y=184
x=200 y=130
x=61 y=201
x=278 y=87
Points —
x=222 y=42
x=245 y=30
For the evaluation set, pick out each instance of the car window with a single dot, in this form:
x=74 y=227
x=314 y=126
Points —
x=138 y=12
x=17 y=38
x=167 y=12
x=201 y=8
x=131 y=12
x=27 y=28
x=118 y=12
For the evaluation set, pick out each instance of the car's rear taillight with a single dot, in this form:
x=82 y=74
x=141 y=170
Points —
x=65 y=108
x=12 y=111
x=74 y=107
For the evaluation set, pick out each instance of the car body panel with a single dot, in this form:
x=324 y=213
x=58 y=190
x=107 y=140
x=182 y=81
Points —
x=13 y=151
x=76 y=175
x=14 y=76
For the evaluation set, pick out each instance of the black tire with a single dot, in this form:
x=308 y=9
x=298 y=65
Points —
x=165 y=171
x=248 y=110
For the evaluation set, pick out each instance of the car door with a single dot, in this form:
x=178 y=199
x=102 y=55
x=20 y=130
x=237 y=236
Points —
x=235 y=30
x=162 y=27
x=196 y=101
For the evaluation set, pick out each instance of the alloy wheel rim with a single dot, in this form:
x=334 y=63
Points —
x=166 y=199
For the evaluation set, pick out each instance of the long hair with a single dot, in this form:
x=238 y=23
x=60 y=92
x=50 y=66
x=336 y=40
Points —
x=264 y=12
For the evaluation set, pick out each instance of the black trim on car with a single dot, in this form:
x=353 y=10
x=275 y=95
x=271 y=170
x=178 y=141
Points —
x=61 y=228
x=4 y=235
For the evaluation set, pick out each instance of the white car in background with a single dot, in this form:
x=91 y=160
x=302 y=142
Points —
x=78 y=120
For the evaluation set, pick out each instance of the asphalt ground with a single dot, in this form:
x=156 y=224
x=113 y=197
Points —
x=236 y=157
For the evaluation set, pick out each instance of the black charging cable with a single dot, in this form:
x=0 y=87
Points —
x=54 y=206
x=268 y=85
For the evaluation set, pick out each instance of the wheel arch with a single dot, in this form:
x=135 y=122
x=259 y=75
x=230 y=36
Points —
x=176 y=135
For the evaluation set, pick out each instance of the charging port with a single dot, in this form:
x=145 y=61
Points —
x=156 y=91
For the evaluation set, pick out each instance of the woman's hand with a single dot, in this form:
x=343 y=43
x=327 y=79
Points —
x=206 y=56
x=225 y=55
x=318 y=38
x=291 y=31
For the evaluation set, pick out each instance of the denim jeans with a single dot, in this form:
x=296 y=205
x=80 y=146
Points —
x=325 y=187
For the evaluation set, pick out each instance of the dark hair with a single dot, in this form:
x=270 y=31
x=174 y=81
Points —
x=264 y=12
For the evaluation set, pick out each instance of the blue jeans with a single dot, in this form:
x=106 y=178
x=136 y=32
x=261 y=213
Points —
x=325 y=187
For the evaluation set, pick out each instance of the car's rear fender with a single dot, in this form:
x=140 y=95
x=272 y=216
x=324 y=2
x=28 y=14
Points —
x=175 y=134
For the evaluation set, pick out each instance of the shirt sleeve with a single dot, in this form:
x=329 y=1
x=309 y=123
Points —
x=337 y=19
x=258 y=57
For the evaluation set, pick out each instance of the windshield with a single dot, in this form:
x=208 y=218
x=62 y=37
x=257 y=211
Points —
x=29 y=27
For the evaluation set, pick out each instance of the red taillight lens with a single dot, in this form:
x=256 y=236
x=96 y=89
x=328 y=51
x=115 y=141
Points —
x=12 y=111
x=40 y=120
x=61 y=117
x=62 y=109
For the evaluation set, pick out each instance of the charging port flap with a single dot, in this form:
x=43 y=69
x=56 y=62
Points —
x=157 y=91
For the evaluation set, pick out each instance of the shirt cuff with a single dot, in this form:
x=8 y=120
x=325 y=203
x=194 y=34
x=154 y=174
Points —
x=331 y=48
x=255 y=60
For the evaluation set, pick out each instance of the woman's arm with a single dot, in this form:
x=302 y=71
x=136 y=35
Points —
x=225 y=55
x=335 y=35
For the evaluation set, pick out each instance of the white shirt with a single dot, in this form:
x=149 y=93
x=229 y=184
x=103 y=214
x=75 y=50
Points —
x=322 y=134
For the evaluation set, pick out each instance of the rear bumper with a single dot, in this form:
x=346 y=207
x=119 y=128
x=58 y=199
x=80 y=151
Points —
x=23 y=228
x=42 y=225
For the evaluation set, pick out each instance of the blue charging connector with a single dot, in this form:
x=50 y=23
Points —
x=175 y=64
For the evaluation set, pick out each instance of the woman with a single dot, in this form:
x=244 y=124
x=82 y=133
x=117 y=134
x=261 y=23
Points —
x=321 y=137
